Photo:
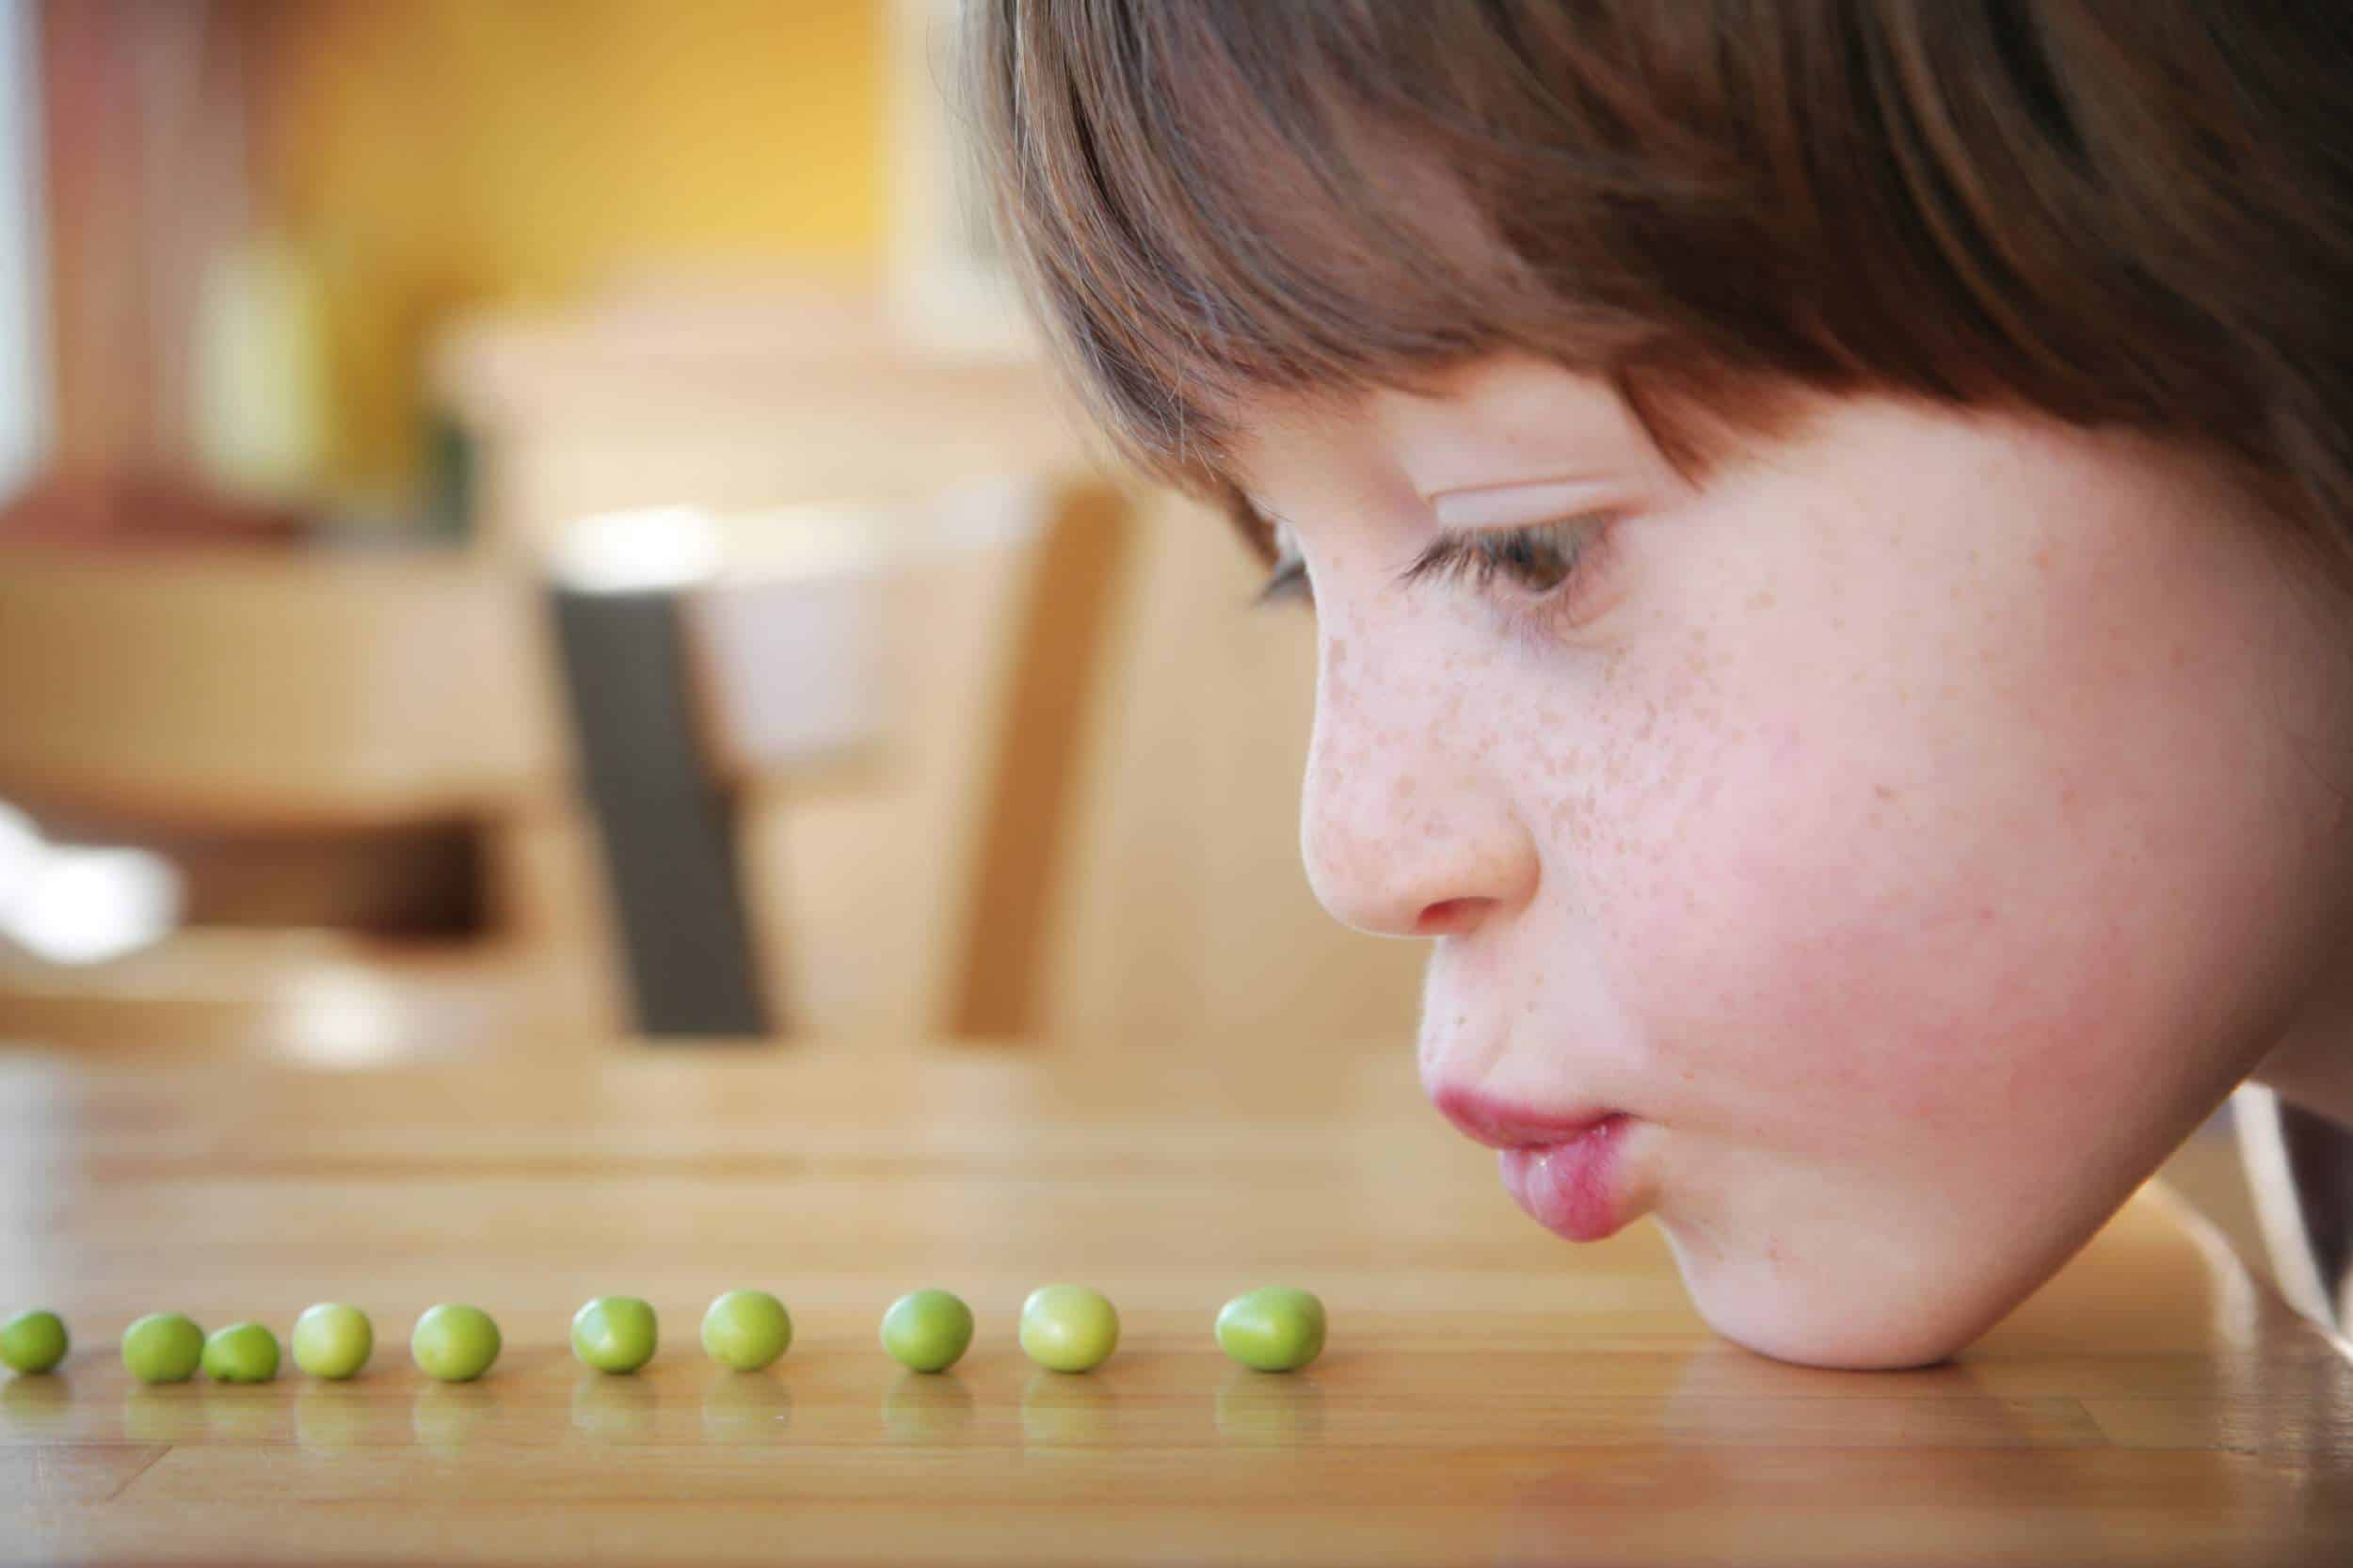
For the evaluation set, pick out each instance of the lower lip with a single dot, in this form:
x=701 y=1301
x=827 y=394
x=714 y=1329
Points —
x=1571 y=1187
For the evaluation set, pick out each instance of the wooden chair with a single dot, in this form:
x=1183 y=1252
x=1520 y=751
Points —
x=273 y=697
x=1075 y=818
x=904 y=883
x=1083 y=828
x=902 y=728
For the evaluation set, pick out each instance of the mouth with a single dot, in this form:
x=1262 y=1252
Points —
x=1565 y=1168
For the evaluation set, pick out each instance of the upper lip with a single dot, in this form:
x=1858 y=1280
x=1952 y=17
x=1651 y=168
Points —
x=1503 y=1124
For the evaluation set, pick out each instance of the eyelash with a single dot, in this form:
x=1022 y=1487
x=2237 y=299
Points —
x=1480 y=554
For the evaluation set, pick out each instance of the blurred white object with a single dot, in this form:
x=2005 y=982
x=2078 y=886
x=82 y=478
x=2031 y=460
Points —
x=2299 y=1172
x=340 y=1017
x=787 y=645
x=22 y=851
x=88 y=905
x=657 y=550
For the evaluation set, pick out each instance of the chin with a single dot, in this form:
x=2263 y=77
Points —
x=1777 y=1309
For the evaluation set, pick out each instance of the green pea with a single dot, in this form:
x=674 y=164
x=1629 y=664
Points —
x=32 y=1342
x=1068 y=1328
x=615 y=1334
x=1274 y=1330
x=454 y=1343
x=241 y=1352
x=747 y=1330
x=163 y=1347
x=927 y=1330
x=333 y=1341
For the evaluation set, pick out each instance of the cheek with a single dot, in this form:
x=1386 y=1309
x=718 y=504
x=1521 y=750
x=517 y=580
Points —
x=1791 y=935
x=1824 y=968
x=1947 y=897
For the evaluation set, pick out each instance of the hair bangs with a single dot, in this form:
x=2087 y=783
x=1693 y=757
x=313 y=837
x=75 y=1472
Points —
x=1199 y=218
x=2110 y=214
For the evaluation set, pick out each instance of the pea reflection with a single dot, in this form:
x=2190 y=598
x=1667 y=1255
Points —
x=331 y=1418
x=1066 y=1410
x=746 y=1407
x=1268 y=1410
x=164 y=1412
x=615 y=1409
x=929 y=1408
x=245 y=1413
x=449 y=1417
x=32 y=1404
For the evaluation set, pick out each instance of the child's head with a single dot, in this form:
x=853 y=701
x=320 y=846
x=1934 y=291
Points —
x=1824 y=519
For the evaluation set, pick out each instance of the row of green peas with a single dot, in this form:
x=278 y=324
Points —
x=1067 y=1328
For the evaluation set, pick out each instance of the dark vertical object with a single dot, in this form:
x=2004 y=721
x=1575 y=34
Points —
x=2299 y=1172
x=2320 y=1161
x=666 y=826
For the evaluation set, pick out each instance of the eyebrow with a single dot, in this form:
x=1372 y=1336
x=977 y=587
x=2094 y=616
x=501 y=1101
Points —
x=1573 y=488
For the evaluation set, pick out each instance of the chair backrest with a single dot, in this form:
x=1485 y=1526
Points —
x=732 y=404
x=210 y=690
x=1185 y=918
x=1077 y=819
x=304 y=734
x=1082 y=824
x=903 y=732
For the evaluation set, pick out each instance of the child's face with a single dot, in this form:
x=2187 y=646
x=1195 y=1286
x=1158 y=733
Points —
x=1915 y=829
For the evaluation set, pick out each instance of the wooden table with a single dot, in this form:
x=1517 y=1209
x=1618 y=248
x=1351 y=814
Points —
x=1490 y=1395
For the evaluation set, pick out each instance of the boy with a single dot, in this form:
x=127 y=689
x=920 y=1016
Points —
x=1828 y=522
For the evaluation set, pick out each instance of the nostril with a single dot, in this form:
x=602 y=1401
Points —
x=1449 y=915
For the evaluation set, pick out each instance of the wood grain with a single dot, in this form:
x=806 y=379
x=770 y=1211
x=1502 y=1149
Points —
x=1489 y=1394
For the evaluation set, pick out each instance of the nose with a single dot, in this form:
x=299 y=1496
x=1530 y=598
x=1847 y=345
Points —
x=1406 y=821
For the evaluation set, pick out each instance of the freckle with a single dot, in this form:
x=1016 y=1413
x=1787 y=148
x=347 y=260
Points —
x=1883 y=791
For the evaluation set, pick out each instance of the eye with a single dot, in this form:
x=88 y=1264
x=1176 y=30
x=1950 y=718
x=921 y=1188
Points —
x=1539 y=560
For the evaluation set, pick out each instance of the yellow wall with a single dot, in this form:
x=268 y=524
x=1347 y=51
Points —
x=423 y=154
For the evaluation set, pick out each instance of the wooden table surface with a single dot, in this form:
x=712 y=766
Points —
x=1490 y=1395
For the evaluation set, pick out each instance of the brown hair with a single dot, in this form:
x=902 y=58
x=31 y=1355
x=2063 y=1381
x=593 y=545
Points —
x=2132 y=213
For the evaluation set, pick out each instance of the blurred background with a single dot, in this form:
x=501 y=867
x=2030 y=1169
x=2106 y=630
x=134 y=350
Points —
x=532 y=529
x=531 y=526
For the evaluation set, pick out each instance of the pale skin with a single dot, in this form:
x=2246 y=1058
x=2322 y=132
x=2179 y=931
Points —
x=1919 y=824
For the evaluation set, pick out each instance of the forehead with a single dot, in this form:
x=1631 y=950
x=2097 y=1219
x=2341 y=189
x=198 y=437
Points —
x=1497 y=415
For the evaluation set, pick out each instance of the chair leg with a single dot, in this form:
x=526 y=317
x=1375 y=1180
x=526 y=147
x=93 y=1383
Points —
x=667 y=827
